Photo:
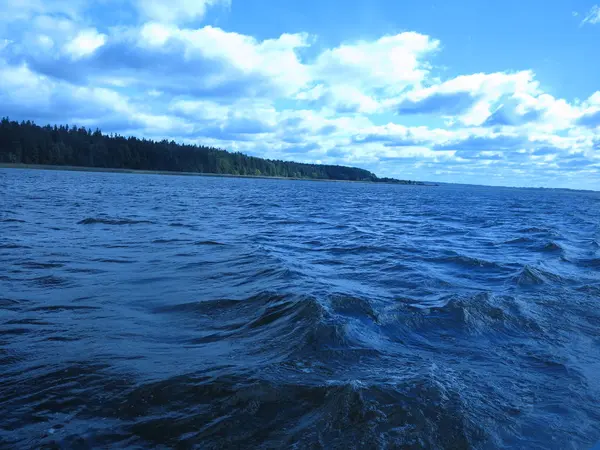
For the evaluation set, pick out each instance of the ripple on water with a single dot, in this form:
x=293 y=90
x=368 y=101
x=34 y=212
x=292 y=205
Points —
x=11 y=246
x=201 y=312
x=105 y=221
x=50 y=281
x=529 y=276
x=552 y=247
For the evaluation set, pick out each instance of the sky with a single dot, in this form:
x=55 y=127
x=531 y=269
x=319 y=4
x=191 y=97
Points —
x=464 y=91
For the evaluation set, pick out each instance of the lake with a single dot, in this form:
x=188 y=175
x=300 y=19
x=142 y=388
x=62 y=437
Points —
x=148 y=311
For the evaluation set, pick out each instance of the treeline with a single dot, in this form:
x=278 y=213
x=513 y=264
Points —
x=28 y=143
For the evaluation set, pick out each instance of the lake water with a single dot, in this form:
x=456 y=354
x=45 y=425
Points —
x=149 y=311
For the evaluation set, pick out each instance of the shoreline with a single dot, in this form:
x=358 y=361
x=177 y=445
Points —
x=192 y=174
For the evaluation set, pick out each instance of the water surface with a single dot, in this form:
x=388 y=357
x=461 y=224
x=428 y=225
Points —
x=151 y=311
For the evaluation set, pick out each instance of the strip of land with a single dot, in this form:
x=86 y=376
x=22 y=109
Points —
x=27 y=145
x=194 y=174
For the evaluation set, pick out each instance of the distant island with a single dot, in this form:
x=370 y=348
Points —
x=25 y=143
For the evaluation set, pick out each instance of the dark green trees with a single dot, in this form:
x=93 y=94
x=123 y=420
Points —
x=29 y=143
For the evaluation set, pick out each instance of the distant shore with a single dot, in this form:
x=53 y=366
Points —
x=196 y=174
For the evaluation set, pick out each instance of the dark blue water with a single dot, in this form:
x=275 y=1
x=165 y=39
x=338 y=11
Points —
x=150 y=311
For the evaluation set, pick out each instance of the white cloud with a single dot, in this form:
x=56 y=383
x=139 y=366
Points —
x=352 y=76
x=471 y=98
x=391 y=62
x=593 y=16
x=342 y=98
x=275 y=61
x=39 y=96
x=19 y=84
x=501 y=99
x=175 y=11
x=34 y=96
x=25 y=10
x=85 y=43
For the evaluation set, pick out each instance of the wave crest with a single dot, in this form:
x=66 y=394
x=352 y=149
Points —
x=104 y=221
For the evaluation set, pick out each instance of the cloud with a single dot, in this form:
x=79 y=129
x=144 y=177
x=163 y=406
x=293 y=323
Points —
x=85 y=43
x=204 y=62
x=471 y=99
x=543 y=151
x=451 y=103
x=343 y=99
x=590 y=112
x=391 y=62
x=327 y=129
x=28 y=93
x=306 y=148
x=510 y=116
x=593 y=16
x=219 y=134
x=393 y=135
x=387 y=140
x=292 y=139
x=244 y=125
x=18 y=10
x=337 y=152
x=574 y=163
x=175 y=11
x=25 y=94
x=590 y=119
x=484 y=155
x=486 y=143
x=352 y=77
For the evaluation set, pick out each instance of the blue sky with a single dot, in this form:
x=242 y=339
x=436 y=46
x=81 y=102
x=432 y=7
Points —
x=501 y=93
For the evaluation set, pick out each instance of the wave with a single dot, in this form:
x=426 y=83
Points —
x=535 y=230
x=94 y=220
x=552 y=247
x=521 y=240
x=167 y=241
x=277 y=324
x=529 y=276
x=40 y=265
x=481 y=313
x=114 y=261
x=533 y=244
x=352 y=306
x=209 y=243
x=55 y=308
x=591 y=262
x=9 y=303
x=51 y=281
x=590 y=289
x=466 y=261
x=10 y=220
x=87 y=270
x=10 y=246
x=180 y=225
x=292 y=222
x=28 y=322
x=216 y=410
x=359 y=249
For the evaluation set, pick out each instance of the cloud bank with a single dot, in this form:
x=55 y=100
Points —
x=378 y=104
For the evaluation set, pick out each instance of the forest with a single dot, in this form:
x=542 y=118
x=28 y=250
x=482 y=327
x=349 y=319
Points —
x=27 y=143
